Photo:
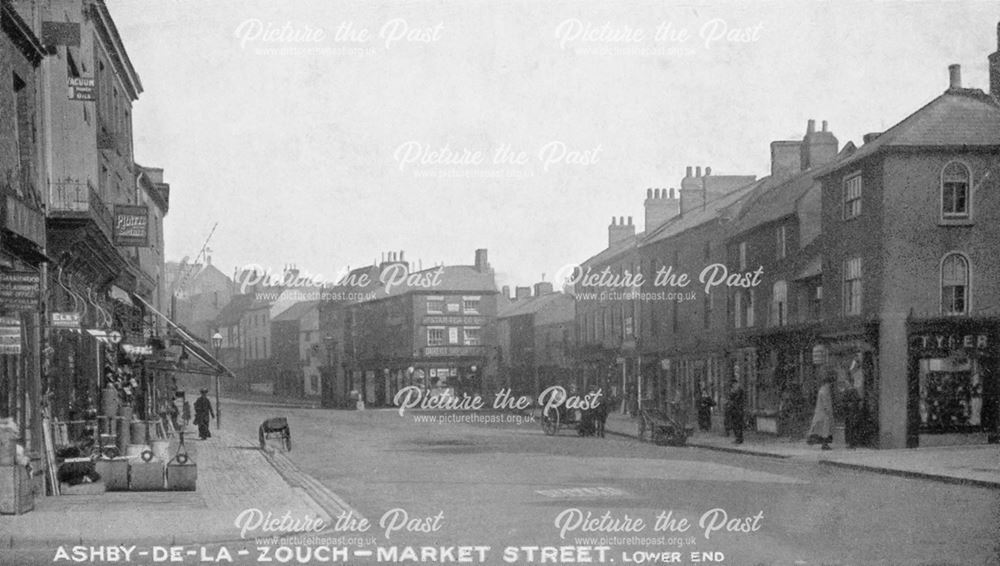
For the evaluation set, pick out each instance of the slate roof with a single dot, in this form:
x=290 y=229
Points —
x=775 y=199
x=958 y=117
x=296 y=311
x=726 y=205
x=233 y=311
x=531 y=305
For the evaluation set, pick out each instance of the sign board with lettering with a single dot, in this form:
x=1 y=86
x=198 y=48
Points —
x=10 y=335
x=81 y=88
x=65 y=320
x=19 y=290
x=434 y=351
x=131 y=225
x=454 y=321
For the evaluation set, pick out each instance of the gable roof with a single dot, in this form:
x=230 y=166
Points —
x=965 y=117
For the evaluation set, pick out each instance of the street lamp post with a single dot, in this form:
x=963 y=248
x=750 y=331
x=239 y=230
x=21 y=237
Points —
x=217 y=344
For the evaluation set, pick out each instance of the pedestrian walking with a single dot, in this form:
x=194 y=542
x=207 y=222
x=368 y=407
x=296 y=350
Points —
x=203 y=414
x=735 y=408
x=705 y=404
x=820 y=431
x=855 y=418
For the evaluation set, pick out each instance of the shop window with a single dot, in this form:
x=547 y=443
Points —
x=852 y=197
x=852 y=286
x=435 y=336
x=951 y=394
x=955 y=284
x=473 y=336
x=779 y=304
x=782 y=242
x=743 y=256
x=955 y=184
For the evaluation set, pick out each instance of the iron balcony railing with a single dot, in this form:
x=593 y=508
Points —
x=74 y=199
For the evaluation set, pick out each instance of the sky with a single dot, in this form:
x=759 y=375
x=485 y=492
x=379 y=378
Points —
x=324 y=134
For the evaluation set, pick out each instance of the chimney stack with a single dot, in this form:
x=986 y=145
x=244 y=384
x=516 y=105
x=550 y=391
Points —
x=521 y=293
x=660 y=206
x=691 y=191
x=954 y=76
x=482 y=265
x=994 y=60
x=786 y=158
x=543 y=288
x=618 y=231
x=818 y=148
x=505 y=292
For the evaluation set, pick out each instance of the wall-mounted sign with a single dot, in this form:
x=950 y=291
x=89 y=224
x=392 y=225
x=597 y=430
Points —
x=19 y=290
x=81 y=88
x=430 y=351
x=454 y=320
x=131 y=225
x=10 y=335
x=65 y=320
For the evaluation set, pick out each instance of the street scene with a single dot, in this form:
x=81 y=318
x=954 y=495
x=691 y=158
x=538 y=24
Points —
x=499 y=283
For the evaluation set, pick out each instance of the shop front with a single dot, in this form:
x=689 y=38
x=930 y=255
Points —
x=954 y=384
x=446 y=370
x=851 y=359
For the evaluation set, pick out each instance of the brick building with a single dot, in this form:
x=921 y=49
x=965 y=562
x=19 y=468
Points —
x=537 y=336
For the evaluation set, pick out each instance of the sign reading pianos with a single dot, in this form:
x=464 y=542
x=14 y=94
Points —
x=131 y=225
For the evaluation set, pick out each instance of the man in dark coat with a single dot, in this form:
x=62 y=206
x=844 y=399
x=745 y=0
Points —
x=203 y=414
x=735 y=406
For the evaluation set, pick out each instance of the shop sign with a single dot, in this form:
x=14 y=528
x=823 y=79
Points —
x=81 y=88
x=65 y=320
x=454 y=320
x=131 y=225
x=10 y=335
x=951 y=342
x=454 y=351
x=19 y=290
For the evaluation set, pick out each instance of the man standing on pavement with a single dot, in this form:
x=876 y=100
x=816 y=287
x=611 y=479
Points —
x=737 y=398
x=203 y=415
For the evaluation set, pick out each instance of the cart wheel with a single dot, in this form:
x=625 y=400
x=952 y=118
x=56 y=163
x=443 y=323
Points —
x=550 y=422
x=288 y=441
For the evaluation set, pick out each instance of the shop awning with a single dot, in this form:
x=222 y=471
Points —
x=193 y=347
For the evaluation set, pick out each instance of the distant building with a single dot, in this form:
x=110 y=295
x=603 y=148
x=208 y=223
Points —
x=537 y=339
x=295 y=338
x=437 y=333
x=197 y=292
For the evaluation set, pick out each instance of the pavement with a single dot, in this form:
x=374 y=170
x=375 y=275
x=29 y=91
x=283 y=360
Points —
x=968 y=465
x=233 y=475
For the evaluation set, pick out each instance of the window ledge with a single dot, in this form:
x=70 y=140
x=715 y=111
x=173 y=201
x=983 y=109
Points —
x=955 y=222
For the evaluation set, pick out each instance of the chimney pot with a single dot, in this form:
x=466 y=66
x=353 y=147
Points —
x=811 y=126
x=697 y=171
x=955 y=76
x=649 y=193
x=613 y=221
x=708 y=171
x=824 y=125
x=621 y=220
x=688 y=174
x=629 y=220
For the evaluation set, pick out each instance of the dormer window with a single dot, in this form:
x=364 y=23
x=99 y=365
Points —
x=955 y=186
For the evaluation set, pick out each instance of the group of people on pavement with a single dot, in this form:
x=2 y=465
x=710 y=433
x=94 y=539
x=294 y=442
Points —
x=203 y=414
x=856 y=423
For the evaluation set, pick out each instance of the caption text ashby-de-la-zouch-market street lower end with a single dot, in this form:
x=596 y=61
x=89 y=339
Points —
x=868 y=265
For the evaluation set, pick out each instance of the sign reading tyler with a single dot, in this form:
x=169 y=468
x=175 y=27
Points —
x=951 y=341
x=131 y=225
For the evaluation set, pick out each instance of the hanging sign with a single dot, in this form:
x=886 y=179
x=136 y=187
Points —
x=81 y=88
x=131 y=225
x=65 y=320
